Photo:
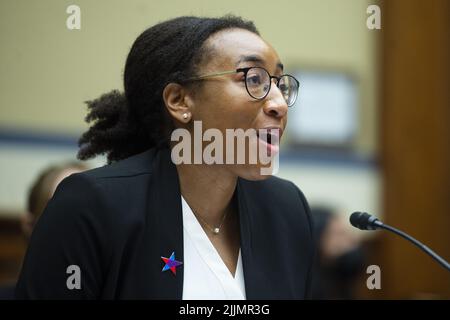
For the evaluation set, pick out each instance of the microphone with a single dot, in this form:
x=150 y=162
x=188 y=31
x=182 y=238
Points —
x=365 y=221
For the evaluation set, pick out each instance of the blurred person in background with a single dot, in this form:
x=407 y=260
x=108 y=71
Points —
x=340 y=257
x=40 y=192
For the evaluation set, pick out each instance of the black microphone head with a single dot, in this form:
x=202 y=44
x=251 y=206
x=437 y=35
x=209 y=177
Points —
x=364 y=221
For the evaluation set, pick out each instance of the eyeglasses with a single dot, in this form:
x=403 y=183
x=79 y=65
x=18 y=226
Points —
x=258 y=82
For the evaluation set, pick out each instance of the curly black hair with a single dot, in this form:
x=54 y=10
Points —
x=128 y=123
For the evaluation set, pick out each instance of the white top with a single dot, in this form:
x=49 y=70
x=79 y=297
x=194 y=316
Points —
x=206 y=277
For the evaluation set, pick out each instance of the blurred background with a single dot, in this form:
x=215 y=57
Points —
x=370 y=130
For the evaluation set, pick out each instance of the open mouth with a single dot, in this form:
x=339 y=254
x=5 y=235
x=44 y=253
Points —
x=269 y=137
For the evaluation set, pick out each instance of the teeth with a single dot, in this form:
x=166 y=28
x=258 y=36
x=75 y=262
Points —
x=271 y=134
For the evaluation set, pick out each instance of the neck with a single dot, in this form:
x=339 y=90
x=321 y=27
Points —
x=208 y=189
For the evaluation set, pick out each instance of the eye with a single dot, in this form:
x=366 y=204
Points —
x=254 y=79
x=283 y=87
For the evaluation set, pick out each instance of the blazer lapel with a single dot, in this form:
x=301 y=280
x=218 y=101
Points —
x=253 y=273
x=165 y=201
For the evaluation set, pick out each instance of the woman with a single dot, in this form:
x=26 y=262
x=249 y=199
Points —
x=143 y=227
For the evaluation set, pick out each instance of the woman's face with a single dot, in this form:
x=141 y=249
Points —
x=223 y=102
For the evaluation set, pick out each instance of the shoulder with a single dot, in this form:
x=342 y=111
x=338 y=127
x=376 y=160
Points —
x=108 y=180
x=100 y=196
x=279 y=203
x=129 y=167
x=277 y=190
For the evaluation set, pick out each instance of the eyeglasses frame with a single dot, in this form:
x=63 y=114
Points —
x=245 y=71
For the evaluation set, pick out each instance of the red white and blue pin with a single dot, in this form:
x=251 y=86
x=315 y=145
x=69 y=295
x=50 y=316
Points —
x=171 y=264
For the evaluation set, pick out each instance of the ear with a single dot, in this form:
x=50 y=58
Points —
x=178 y=102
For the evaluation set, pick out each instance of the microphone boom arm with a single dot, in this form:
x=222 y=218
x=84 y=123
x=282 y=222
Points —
x=419 y=244
x=365 y=221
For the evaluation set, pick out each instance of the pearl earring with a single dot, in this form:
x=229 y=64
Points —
x=185 y=115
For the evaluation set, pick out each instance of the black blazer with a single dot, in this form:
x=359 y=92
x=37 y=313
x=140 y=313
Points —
x=117 y=221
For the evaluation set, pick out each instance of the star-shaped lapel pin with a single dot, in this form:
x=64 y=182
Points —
x=171 y=263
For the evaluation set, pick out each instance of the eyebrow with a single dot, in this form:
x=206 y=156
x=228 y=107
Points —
x=258 y=59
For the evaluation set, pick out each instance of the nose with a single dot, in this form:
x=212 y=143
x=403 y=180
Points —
x=275 y=104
